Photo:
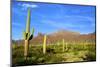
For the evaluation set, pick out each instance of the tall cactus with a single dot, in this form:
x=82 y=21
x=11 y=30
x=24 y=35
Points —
x=44 y=44
x=27 y=35
x=63 y=45
x=66 y=46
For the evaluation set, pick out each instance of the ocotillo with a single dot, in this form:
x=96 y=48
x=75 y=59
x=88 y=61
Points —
x=27 y=35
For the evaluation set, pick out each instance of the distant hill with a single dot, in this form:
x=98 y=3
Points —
x=59 y=35
x=64 y=32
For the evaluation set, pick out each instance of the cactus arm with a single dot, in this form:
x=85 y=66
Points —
x=32 y=31
x=28 y=36
x=24 y=35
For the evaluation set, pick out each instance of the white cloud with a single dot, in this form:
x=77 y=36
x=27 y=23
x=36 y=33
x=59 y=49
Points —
x=29 y=5
x=26 y=5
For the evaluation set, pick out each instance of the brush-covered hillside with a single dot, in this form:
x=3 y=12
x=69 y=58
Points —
x=68 y=36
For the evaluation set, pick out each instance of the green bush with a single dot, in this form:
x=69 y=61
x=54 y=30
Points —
x=73 y=53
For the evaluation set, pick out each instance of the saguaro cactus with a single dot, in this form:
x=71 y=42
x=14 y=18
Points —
x=27 y=35
x=66 y=46
x=44 y=44
x=63 y=45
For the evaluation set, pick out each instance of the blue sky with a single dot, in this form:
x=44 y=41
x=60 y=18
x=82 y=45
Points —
x=49 y=18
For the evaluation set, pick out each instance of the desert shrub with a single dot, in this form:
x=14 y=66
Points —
x=73 y=53
x=90 y=56
x=50 y=50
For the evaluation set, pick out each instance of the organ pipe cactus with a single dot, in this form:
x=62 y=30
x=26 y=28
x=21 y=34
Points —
x=44 y=44
x=27 y=35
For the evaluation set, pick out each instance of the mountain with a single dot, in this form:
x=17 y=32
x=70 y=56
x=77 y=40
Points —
x=64 y=32
x=59 y=35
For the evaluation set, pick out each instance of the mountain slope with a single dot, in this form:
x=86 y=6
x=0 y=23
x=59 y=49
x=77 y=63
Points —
x=59 y=35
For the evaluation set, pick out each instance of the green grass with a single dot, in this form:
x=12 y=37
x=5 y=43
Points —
x=54 y=54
